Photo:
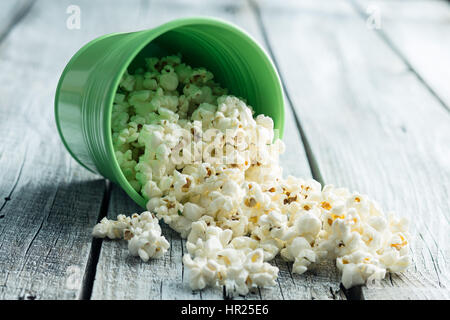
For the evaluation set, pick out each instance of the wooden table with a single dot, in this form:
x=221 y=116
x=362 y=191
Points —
x=367 y=107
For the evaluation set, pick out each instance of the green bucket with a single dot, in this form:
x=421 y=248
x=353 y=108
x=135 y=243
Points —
x=85 y=92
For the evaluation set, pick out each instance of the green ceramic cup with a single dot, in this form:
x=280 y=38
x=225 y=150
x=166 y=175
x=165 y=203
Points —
x=86 y=89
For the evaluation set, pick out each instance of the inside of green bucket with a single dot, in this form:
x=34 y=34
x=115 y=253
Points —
x=236 y=61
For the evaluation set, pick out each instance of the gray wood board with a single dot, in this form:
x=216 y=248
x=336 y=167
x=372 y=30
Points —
x=372 y=127
x=51 y=203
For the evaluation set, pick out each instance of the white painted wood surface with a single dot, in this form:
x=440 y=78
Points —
x=47 y=203
x=368 y=119
x=420 y=32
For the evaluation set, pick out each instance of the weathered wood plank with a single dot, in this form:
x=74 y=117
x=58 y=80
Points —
x=372 y=126
x=11 y=12
x=122 y=276
x=419 y=31
x=51 y=202
x=114 y=279
x=10 y=16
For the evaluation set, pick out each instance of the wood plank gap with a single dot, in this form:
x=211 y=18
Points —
x=383 y=36
x=96 y=247
x=332 y=293
x=354 y=293
x=278 y=281
x=19 y=15
x=8 y=197
x=309 y=154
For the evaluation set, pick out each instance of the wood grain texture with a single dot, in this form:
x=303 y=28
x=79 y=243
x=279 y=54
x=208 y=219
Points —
x=372 y=126
x=420 y=33
x=48 y=202
x=165 y=279
x=121 y=276
x=11 y=12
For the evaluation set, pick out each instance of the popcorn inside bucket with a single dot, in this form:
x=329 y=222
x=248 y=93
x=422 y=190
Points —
x=210 y=169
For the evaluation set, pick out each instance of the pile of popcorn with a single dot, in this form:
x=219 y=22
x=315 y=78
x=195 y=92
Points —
x=210 y=170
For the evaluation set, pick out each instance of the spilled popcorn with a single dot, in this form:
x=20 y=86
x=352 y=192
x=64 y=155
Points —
x=210 y=171
x=142 y=232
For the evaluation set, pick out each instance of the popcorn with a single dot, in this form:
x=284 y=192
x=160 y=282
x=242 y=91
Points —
x=210 y=170
x=168 y=78
x=142 y=232
x=238 y=265
x=358 y=268
x=147 y=242
x=202 y=272
x=111 y=229
x=193 y=211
